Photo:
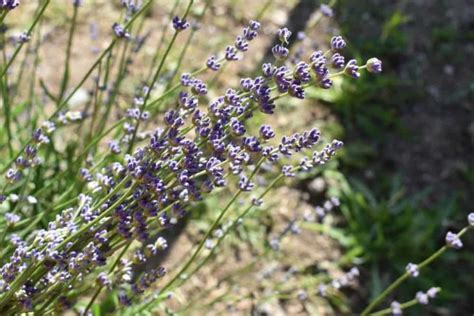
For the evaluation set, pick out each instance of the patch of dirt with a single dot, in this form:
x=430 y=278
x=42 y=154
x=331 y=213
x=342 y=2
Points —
x=242 y=279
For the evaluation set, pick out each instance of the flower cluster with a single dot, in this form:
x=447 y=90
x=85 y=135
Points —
x=204 y=143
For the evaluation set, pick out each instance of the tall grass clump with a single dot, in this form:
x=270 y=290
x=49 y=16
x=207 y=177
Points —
x=87 y=193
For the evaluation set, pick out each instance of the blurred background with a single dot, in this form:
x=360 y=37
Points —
x=406 y=175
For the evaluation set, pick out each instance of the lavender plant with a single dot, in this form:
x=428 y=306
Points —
x=76 y=222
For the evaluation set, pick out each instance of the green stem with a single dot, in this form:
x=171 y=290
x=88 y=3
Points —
x=406 y=275
x=96 y=104
x=6 y=109
x=65 y=80
x=162 y=39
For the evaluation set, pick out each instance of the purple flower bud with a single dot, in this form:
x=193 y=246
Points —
x=396 y=308
x=231 y=53
x=39 y=137
x=245 y=184
x=133 y=113
x=320 y=68
x=317 y=56
x=302 y=72
x=287 y=171
x=114 y=147
x=13 y=175
x=268 y=70
x=254 y=25
x=23 y=38
x=251 y=144
x=296 y=90
x=337 y=61
x=352 y=69
x=266 y=132
x=186 y=80
x=120 y=31
x=198 y=87
x=337 y=43
x=453 y=241
x=103 y=280
x=322 y=290
x=237 y=128
x=412 y=269
x=470 y=219
x=132 y=6
x=284 y=35
x=257 y=202
x=246 y=84
x=326 y=10
x=325 y=83
x=422 y=298
x=432 y=292
x=280 y=52
x=124 y=300
x=30 y=152
x=212 y=63
x=249 y=34
x=11 y=219
x=374 y=65
x=180 y=25
x=337 y=144
x=241 y=44
x=283 y=83
x=275 y=244
x=300 y=36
